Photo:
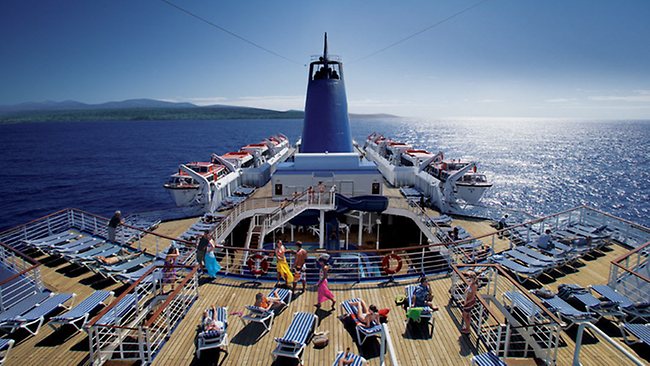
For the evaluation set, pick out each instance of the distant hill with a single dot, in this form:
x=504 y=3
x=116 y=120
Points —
x=138 y=110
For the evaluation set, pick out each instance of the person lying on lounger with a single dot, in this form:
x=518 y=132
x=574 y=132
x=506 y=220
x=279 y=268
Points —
x=347 y=358
x=210 y=323
x=268 y=302
x=122 y=256
x=367 y=315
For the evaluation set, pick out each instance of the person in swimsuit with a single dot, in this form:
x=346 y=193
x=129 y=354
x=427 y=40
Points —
x=470 y=300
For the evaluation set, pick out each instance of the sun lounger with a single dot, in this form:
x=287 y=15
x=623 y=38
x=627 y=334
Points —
x=567 y=311
x=523 y=273
x=530 y=261
x=640 y=331
x=555 y=261
x=590 y=302
x=487 y=359
x=295 y=338
x=356 y=359
x=264 y=316
x=634 y=310
x=120 y=310
x=127 y=266
x=79 y=315
x=133 y=276
x=52 y=240
x=105 y=250
x=427 y=312
x=5 y=347
x=362 y=331
x=37 y=315
x=78 y=246
x=212 y=338
x=523 y=303
x=23 y=306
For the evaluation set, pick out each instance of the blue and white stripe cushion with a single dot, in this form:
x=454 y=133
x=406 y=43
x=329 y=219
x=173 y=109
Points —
x=488 y=359
x=298 y=330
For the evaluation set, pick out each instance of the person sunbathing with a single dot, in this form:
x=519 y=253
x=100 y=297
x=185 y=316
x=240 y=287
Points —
x=347 y=358
x=210 y=323
x=268 y=302
x=122 y=256
x=367 y=315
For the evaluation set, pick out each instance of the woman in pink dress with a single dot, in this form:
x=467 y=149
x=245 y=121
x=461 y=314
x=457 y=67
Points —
x=324 y=292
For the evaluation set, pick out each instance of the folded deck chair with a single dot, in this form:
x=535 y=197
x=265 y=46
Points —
x=32 y=320
x=212 y=338
x=23 y=306
x=5 y=347
x=566 y=311
x=120 y=310
x=487 y=359
x=296 y=337
x=266 y=316
x=427 y=312
x=523 y=273
x=363 y=332
x=640 y=331
x=634 y=310
x=356 y=359
x=79 y=315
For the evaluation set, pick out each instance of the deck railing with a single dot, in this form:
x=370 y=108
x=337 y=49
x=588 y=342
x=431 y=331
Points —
x=629 y=274
x=144 y=328
x=24 y=277
x=498 y=323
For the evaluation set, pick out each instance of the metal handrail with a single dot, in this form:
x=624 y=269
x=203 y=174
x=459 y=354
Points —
x=593 y=328
x=173 y=294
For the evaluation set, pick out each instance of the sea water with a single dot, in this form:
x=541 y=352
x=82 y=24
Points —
x=539 y=166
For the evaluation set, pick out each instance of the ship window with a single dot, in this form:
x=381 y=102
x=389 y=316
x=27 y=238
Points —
x=332 y=71
x=375 y=188
x=278 y=189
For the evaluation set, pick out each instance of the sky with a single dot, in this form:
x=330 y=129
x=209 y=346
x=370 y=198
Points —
x=503 y=58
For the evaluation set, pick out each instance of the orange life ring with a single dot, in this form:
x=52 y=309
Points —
x=255 y=270
x=385 y=264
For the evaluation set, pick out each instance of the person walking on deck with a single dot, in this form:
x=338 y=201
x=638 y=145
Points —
x=211 y=264
x=324 y=292
x=282 y=266
x=112 y=225
x=300 y=267
x=201 y=248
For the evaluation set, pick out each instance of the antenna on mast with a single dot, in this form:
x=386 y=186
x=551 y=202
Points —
x=325 y=48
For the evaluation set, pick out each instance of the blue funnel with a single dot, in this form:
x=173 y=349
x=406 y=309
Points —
x=327 y=126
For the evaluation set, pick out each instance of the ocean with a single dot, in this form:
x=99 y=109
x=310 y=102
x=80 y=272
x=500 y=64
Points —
x=538 y=166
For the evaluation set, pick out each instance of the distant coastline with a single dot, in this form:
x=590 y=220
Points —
x=141 y=110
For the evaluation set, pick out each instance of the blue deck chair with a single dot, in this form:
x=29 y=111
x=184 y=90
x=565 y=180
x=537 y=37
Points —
x=78 y=246
x=530 y=261
x=79 y=315
x=487 y=359
x=23 y=306
x=213 y=339
x=36 y=316
x=640 y=331
x=567 y=311
x=555 y=261
x=5 y=347
x=266 y=316
x=295 y=338
x=120 y=310
x=523 y=273
x=52 y=240
x=427 y=312
x=363 y=332
x=634 y=310
x=135 y=275
x=593 y=304
x=89 y=255
x=129 y=265
x=356 y=359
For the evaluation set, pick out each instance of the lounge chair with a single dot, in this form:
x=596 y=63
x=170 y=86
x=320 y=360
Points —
x=296 y=337
x=640 y=331
x=523 y=303
x=362 y=331
x=356 y=359
x=120 y=310
x=590 y=302
x=266 y=316
x=634 y=310
x=555 y=261
x=487 y=359
x=37 y=315
x=133 y=276
x=530 y=261
x=77 y=246
x=127 y=266
x=427 y=312
x=23 y=306
x=52 y=240
x=5 y=347
x=523 y=273
x=213 y=339
x=566 y=311
x=89 y=255
x=79 y=315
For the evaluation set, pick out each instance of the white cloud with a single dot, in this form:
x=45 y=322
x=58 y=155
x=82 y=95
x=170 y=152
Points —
x=490 y=101
x=639 y=96
x=559 y=100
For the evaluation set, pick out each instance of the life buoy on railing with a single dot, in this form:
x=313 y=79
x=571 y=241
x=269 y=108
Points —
x=385 y=263
x=263 y=268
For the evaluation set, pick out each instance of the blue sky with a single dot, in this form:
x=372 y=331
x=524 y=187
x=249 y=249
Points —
x=504 y=58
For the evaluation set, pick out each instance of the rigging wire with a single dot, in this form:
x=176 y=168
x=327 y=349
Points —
x=177 y=7
x=421 y=31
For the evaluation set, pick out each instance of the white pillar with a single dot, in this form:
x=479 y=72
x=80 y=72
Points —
x=292 y=233
x=360 y=230
x=321 y=227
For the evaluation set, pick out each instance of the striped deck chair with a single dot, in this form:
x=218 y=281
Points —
x=266 y=316
x=487 y=359
x=521 y=272
x=80 y=314
x=23 y=306
x=356 y=359
x=36 y=316
x=5 y=347
x=362 y=331
x=427 y=312
x=634 y=310
x=296 y=337
x=211 y=339
x=120 y=310
x=640 y=331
